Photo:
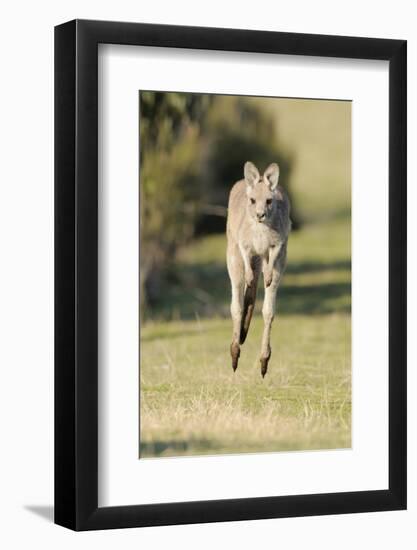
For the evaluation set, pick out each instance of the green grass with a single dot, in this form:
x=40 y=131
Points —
x=192 y=402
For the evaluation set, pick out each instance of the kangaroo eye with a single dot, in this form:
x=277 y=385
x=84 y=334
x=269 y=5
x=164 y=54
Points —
x=252 y=201
x=268 y=201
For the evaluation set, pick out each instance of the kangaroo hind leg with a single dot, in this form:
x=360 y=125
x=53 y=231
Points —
x=250 y=299
x=236 y=271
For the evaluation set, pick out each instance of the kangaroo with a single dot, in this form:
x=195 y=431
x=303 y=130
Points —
x=258 y=225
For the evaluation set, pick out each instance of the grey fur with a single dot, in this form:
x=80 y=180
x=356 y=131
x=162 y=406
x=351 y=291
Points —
x=258 y=226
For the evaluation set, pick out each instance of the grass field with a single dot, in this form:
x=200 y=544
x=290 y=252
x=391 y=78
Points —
x=192 y=402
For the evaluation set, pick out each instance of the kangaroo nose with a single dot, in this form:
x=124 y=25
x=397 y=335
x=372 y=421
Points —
x=261 y=215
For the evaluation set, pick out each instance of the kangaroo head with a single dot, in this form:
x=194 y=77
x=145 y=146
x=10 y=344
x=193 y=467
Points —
x=262 y=191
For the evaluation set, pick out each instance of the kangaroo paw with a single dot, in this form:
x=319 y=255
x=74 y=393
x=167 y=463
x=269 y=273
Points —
x=264 y=363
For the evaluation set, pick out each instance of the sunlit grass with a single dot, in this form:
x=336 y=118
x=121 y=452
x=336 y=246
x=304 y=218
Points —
x=193 y=403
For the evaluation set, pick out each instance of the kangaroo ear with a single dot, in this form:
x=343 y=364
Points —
x=272 y=175
x=251 y=173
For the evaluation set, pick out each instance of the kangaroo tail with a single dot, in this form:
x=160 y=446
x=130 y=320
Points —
x=248 y=307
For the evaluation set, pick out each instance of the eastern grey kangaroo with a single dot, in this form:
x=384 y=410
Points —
x=258 y=225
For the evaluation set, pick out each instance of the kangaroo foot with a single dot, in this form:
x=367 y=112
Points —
x=264 y=363
x=235 y=353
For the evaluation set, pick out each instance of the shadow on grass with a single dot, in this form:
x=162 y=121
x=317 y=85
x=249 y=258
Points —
x=169 y=448
x=315 y=267
x=315 y=299
x=202 y=447
x=163 y=334
x=203 y=290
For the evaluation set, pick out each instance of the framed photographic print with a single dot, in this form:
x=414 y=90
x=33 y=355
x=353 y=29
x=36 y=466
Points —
x=230 y=252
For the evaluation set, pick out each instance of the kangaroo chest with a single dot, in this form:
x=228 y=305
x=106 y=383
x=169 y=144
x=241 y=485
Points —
x=262 y=239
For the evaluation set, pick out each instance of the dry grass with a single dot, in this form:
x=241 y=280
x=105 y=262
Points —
x=192 y=403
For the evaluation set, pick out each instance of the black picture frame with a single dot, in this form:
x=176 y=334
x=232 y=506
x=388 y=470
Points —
x=76 y=273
